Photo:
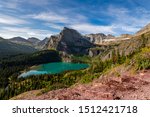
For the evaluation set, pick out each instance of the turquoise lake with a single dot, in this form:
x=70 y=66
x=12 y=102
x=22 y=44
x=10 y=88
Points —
x=54 y=68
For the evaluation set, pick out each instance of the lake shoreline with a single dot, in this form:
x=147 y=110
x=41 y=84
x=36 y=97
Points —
x=53 y=68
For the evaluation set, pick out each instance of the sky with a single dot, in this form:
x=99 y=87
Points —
x=43 y=18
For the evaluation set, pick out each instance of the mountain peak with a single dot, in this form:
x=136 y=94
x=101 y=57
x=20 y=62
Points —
x=66 y=28
x=69 y=41
x=68 y=34
x=20 y=40
x=33 y=40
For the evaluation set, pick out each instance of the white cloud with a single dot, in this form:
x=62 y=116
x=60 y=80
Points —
x=122 y=20
x=125 y=28
x=128 y=21
x=9 y=32
x=50 y=17
x=11 y=4
x=66 y=18
x=89 y=28
x=54 y=26
x=10 y=20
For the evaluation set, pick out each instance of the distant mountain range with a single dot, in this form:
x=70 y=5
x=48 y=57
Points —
x=42 y=43
x=68 y=40
x=20 y=40
x=8 y=48
x=33 y=40
x=30 y=41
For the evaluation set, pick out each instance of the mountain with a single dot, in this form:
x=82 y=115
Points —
x=33 y=40
x=121 y=74
x=20 y=40
x=8 y=48
x=69 y=41
x=96 y=38
x=42 y=43
x=109 y=36
x=111 y=65
x=144 y=30
x=1 y=39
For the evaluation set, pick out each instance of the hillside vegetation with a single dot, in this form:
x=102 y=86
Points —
x=10 y=68
x=133 y=52
x=112 y=82
x=8 y=48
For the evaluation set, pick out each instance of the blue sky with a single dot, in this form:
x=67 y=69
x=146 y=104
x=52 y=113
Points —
x=42 y=18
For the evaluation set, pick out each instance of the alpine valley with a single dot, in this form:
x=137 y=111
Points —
x=93 y=66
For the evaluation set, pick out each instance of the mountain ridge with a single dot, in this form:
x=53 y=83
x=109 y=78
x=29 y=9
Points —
x=20 y=40
x=33 y=40
x=8 y=48
x=71 y=41
x=143 y=30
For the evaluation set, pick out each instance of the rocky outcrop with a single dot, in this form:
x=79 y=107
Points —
x=65 y=57
x=69 y=41
x=96 y=38
x=52 y=42
x=99 y=50
x=42 y=43
x=122 y=47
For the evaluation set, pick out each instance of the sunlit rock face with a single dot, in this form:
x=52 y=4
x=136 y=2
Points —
x=96 y=38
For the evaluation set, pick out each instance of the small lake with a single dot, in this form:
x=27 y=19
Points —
x=54 y=68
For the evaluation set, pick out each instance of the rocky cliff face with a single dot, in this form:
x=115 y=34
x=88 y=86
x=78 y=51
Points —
x=96 y=38
x=123 y=47
x=42 y=43
x=69 y=41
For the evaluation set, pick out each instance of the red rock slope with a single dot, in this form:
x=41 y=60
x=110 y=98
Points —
x=112 y=88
